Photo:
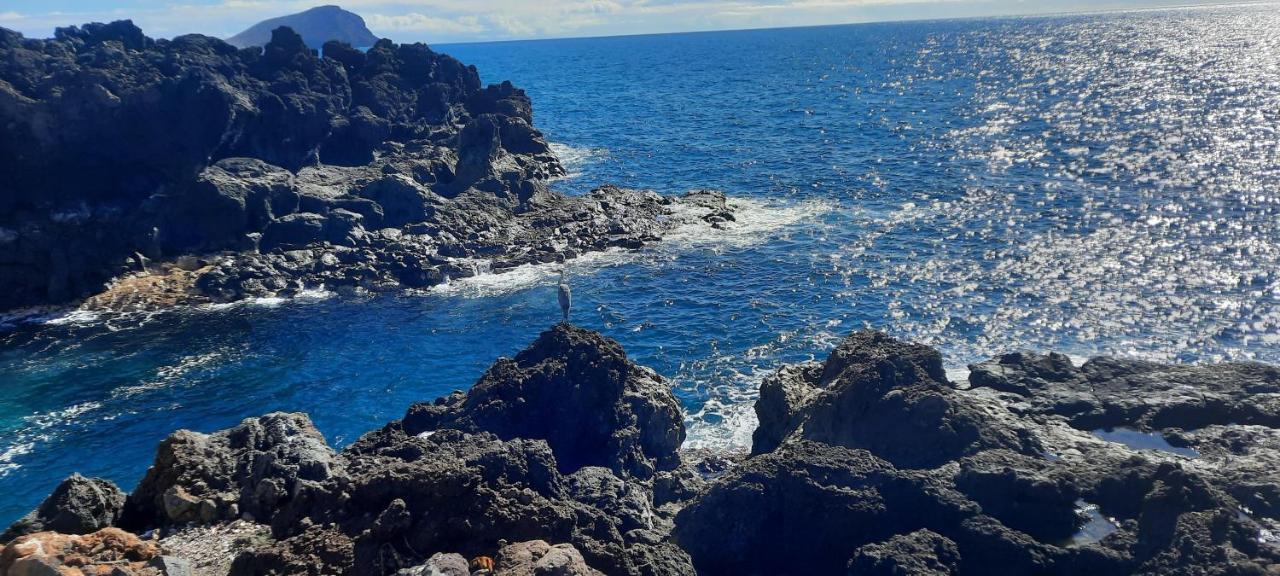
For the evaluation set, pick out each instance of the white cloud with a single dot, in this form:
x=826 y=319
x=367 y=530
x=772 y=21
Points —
x=462 y=20
x=421 y=23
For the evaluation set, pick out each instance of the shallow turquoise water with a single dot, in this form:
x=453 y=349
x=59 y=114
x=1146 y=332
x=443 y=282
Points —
x=1090 y=184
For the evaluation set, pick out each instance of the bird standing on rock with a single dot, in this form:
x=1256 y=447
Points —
x=566 y=296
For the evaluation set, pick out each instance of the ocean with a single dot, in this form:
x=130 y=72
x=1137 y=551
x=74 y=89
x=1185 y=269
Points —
x=1092 y=184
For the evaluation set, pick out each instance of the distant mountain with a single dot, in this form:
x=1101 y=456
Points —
x=316 y=26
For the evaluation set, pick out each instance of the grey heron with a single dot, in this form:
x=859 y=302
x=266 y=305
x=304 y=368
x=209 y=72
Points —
x=566 y=296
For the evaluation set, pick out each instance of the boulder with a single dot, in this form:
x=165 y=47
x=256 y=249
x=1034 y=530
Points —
x=252 y=469
x=403 y=201
x=538 y=558
x=233 y=197
x=440 y=564
x=78 y=505
x=881 y=394
x=576 y=390
x=294 y=231
x=627 y=503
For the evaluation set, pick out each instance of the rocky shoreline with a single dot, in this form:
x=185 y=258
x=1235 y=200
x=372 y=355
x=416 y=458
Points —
x=565 y=459
x=265 y=171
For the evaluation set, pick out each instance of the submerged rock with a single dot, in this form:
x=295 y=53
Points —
x=78 y=505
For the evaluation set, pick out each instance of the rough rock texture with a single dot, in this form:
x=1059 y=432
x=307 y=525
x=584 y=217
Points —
x=809 y=504
x=486 y=468
x=1015 y=496
x=252 y=469
x=440 y=564
x=920 y=553
x=878 y=393
x=377 y=169
x=108 y=551
x=537 y=558
x=411 y=237
x=211 y=548
x=575 y=389
x=78 y=505
x=1100 y=394
x=313 y=552
x=1006 y=476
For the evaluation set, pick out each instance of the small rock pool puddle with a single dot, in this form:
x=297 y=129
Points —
x=1139 y=440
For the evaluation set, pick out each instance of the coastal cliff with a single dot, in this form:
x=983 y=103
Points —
x=565 y=459
x=222 y=172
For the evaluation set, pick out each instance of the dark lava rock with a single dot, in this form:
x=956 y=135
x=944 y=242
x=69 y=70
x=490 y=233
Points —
x=314 y=552
x=920 y=553
x=78 y=505
x=405 y=497
x=252 y=469
x=1101 y=394
x=809 y=505
x=881 y=394
x=575 y=389
x=997 y=478
x=116 y=143
x=1027 y=494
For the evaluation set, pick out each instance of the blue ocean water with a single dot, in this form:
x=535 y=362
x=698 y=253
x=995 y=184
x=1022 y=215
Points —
x=1089 y=184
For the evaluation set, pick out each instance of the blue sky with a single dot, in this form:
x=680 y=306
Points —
x=439 y=21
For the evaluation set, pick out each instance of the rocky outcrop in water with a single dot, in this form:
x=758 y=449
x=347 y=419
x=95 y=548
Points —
x=1002 y=476
x=280 y=166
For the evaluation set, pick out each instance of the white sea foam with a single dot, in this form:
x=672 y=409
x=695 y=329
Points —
x=756 y=222
x=729 y=431
x=575 y=158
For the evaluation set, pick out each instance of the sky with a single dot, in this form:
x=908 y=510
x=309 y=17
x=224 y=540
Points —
x=444 y=21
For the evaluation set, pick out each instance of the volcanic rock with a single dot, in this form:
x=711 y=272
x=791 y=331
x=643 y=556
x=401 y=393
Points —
x=78 y=505
x=881 y=394
x=578 y=391
x=252 y=469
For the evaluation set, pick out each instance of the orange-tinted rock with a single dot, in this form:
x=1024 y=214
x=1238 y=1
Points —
x=54 y=554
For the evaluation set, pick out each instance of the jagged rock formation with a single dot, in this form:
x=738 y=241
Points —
x=387 y=168
x=996 y=477
x=1004 y=476
x=316 y=26
x=575 y=389
x=250 y=470
x=887 y=396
